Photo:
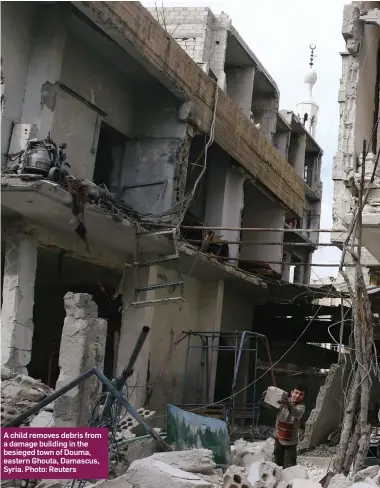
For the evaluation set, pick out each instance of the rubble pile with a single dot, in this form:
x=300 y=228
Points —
x=252 y=467
x=323 y=450
x=250 y=432
x=19 y=393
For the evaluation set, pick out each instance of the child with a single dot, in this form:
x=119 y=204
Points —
x=287 y=424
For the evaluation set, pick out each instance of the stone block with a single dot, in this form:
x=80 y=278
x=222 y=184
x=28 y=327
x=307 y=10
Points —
x=264 y=474
x=246 y=453
x=192 y=461
x=235 y=477
x=368 y=483
x=370 y=472
x=148 y=473
x=301 y=483
x=298 y=472
x=340 y=481
x=273 y=396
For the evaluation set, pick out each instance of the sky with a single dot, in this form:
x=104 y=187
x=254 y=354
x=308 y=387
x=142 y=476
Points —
x=279 y=32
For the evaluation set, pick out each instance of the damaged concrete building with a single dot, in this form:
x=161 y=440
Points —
x=216 y=46
x=179 y=142
x=359 y=123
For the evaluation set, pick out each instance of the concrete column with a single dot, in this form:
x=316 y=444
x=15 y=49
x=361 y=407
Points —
x=299 y=159
x=307 y=271
x=83 y=345
x=224 y=205
x=299 y=274
x=45 y=68
x=18 y=301
x=265 y=112
x=210 y=319
x=286 y=267
x=240 y=87
x=281 y=142
x=133 y=320
x=260 y=211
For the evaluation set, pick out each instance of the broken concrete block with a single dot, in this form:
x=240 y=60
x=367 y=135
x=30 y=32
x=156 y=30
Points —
x=264 y=474
x=142 y=449
x=149 y=473
x=294 y=472
x=42 y=419
x=235 y=477
x=192 y=461
x=246 y=453
x=302 y=483
x=273 y=396
x=339 y=481
x=116 y=483
x=370 y=472
x=284 y=484
x=368 y=483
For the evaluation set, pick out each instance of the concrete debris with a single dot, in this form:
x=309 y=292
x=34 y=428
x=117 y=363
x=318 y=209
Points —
x=326 y=415
x=192 y=461
x=315 y=471
x=299 y=472
x=340 y=481
x=129 y=428
x=245 y=453
x=322 y=450
x=235 y=477
x=370 y=472
x=301 y=483
x=252 y=432
x=19 y=393
x=368 y=483
x=148 y=473
x=264 y=474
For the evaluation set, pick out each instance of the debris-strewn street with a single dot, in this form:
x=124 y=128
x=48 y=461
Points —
x=190 y=248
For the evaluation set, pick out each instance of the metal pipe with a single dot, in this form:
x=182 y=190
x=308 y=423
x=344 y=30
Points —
x=257 y=264
x=257 y=229
x=186 y=365
x=137 y=349
x=255 y=243
x=141 y=185
x=119 y=382
x=254 y=385
x=131 y=409
x=242 y=340
x=264 y=338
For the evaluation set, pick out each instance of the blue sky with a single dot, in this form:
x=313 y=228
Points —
x=279 y=33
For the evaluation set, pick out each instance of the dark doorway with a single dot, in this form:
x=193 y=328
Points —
x=109 y=158
x=56 y=275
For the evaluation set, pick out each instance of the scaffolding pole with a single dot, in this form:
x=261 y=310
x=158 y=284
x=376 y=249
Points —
x=255 y=243
x=256 y=229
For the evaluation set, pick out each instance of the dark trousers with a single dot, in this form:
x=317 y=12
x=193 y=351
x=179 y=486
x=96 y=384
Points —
x=285 y=456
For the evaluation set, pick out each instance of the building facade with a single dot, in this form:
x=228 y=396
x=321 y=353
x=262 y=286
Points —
x=215 y=45
x=359 y=124
x=160 y=148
